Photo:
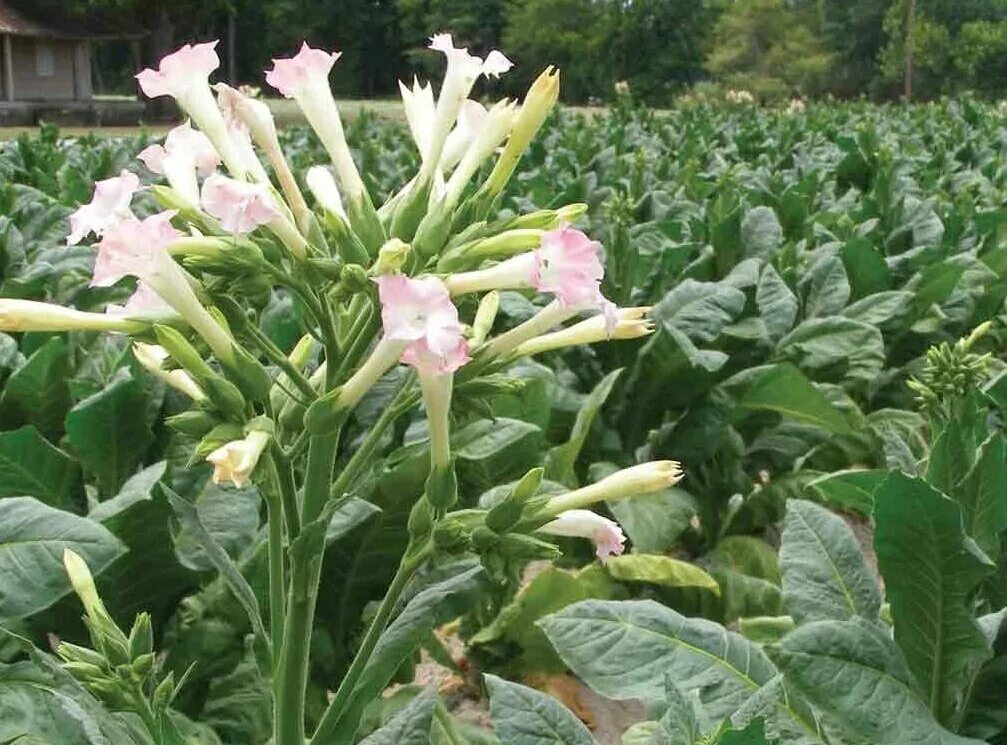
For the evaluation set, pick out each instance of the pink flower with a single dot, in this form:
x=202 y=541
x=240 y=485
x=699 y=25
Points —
x=134 y=247
x=241 y=207
x=182 y=142
x=420 y=312
x=567 y=265
x=296 y=74
x=180 y=71
x=143 y=302
x=108 y=207
x=606 y=534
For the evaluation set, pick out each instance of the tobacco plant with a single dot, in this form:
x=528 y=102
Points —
x=395 y=307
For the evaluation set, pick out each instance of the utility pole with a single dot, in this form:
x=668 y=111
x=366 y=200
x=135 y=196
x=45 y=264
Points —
x=910 y=46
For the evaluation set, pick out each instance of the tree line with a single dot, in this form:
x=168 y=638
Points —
x=661 y=48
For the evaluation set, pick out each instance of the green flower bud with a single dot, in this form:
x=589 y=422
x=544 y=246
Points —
x=74 y=653
x=526 y=547
x=450 y=535
x=84 y=671
x=503 y=516
x=194 y=422
x=421 y=520
x=141 y=637
x=442 y=488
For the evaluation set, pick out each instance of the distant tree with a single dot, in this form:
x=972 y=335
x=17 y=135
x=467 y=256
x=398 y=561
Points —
x=769 y=49
x=854 y=31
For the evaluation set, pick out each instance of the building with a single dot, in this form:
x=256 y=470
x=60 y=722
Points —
x=47 y=72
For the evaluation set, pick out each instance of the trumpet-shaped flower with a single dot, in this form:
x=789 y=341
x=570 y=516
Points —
x=134 y=248
x=305 y=78
x=184 y=75
x=420 y=313
x=186 y=154
x=153 y=356
x=240 y=207
x=462 y=72
x=238 y=132
x=302 y=73
x=235 y=461
x=420 y=108
x=606 y=534
x=108 y=207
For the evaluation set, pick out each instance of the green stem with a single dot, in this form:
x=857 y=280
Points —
x=288 y=493
x=278 y=358
x=337 y=708
x=306 y=566
x=404 y=400
x=277 y=582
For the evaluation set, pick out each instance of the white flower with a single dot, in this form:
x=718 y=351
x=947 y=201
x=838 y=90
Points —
x=606 y=534
x=152 y=358
x=235 y=461
x=629 y=482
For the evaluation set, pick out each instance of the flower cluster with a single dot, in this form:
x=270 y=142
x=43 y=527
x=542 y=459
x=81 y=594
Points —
x=371 y=281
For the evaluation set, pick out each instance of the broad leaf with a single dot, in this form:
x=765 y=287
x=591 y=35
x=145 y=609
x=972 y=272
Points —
x=856 y=676
x=784 y=389
x=625 y=650
x=109 y=432
x=824 y=573
x=660 y=570
x=931 y=570
x=411 y=726
x=983 y=495
x=33 y=537
x=524 y=716
x=31 y=467
x=850 y=490
x=37 y=392
x=777 y=303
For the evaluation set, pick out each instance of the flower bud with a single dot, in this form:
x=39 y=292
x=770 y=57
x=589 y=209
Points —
x=486 y=315
x=629 y=482
x=152 y=357
x=391 y=258
x=194 y=422
x=631 y=323
x=507 y=513
x=83 y=584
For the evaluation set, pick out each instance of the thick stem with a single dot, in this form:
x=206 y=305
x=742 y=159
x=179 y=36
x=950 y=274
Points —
x=407 y=567
x=288 y=493
x=277 y=581
x=292 y=676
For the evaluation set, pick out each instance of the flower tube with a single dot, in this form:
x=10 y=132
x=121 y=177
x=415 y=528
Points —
x=259 y=123
x=631 y=323
x=108 y=207
x=186 y=154
x=184 y=75
x=606 y=534
x=629 y=482
x=305 y=78
x=31 y=315
x=493 y=130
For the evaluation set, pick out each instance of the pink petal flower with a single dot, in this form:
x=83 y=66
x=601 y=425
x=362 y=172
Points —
x=182 y=142
x=133 y=248
x=143 y=302
x=308 y=67
x=108 y=207
x=191 y=65
x=420 y=311
x=606 y=534
x=241 y=207
x=567 y=264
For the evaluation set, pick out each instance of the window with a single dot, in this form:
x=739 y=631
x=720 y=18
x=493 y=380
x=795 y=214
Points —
x=45 y=60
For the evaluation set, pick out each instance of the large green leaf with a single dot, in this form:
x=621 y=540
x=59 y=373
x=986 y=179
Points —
x=982 y=495
x=109 y=432
x=835 y=350
x=824 y=573
x=149 y=577
x=699 y=310
x=239 y=705
x=33 y=537
x=37 y=392
x=495 y=451
x=777 y=303
x=31 y=467
x=785 y=389
x=761 y=233
x=931 y=571
x=625 y=650
x=524 y=716
x=855 y=675
x=30 y=713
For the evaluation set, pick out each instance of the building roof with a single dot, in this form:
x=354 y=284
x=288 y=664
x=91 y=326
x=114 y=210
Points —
x=17 y=23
